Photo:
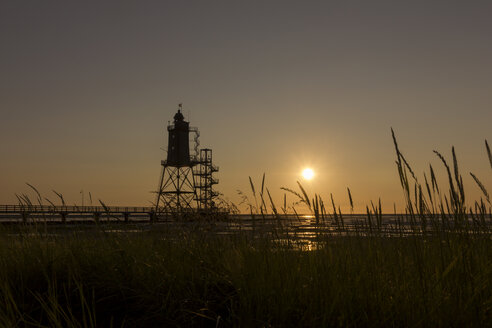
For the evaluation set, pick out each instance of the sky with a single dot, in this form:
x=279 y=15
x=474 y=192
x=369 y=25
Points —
x=87 y=89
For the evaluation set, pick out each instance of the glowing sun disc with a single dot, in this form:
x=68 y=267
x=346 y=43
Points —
x=308 y=174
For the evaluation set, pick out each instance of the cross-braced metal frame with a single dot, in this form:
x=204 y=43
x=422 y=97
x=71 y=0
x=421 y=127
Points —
x=177 y=191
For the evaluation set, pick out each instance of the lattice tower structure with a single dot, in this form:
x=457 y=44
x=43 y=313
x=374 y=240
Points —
x=177 y=192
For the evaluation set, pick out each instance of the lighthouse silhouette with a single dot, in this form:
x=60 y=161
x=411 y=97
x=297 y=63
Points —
x=185 y=184
x=178 y=149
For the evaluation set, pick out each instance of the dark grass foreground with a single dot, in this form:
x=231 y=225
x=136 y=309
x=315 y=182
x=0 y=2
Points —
x=194 y=279
x=438 y=275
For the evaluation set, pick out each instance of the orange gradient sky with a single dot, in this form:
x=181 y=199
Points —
x=87 y=89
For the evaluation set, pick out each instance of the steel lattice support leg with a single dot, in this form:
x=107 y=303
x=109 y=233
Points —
x=176 y=191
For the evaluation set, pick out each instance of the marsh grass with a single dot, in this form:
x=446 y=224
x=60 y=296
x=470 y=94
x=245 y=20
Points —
x=187 y=278
x=439 y=275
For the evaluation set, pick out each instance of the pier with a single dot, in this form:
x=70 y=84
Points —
x=76 y=214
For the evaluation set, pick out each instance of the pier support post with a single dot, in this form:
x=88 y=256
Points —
x=25 y=216
x=63 y=216
x=127 y=216
x=96 y=216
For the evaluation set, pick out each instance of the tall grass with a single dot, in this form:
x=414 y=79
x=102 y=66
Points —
x=190 y=278
x=429 y=208
x=440 y=274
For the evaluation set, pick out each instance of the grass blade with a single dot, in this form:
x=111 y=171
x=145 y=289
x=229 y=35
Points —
x=488 y=152
x=481 y=186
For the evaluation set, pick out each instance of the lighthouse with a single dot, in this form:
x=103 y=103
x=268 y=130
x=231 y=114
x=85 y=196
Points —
x=186 y=180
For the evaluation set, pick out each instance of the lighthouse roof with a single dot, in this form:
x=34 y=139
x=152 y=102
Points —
x=178 y=116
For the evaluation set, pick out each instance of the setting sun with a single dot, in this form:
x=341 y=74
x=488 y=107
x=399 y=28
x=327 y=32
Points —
x=308 y=174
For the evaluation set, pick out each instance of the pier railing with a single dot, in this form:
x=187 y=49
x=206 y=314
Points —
x=72 y=209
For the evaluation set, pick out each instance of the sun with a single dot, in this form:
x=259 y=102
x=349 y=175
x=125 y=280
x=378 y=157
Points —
x=308 y=174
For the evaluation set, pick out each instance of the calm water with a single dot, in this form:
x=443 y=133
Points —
x=304 y=231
